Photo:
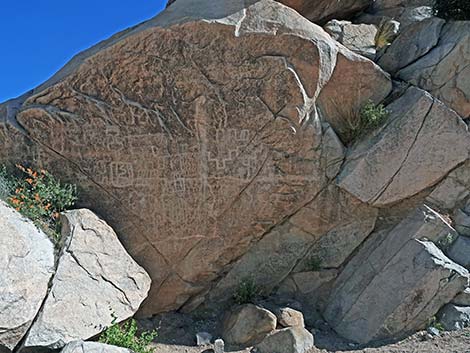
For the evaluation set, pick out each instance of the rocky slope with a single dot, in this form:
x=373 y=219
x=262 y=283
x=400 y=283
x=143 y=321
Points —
x=217 y=140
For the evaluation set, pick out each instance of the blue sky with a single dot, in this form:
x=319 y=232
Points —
x=37 y=37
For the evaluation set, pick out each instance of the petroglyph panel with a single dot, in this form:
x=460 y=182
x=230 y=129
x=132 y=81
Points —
x=191 y=141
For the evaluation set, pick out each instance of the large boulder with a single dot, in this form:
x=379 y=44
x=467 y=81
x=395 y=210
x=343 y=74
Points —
x=26 y=266
x=444 y=71
x=195 y=133
x=422 y=141
x=247 y=325
x=396 y=282
x=96 y=283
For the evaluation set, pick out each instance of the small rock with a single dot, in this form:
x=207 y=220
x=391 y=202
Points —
x=433 y=331
x=287 y=317
x=360 y=38
x=288 y=340
x=219 y=346
x=463 y=299
x=454 y=317
x=248 y=324
x=203 y=338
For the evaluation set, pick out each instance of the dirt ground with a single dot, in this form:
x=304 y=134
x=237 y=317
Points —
x=455 y=342
x=176 y=334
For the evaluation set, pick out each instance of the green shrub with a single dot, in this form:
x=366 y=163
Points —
x=458 y=10
x=246 y=292
x=445 y=242
x=432 y=322
x=314 y=264
x=125 y=336
x=370 y=117
x=37 y=195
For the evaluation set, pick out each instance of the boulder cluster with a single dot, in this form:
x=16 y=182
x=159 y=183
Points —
x=227 y=139
x=49 y=298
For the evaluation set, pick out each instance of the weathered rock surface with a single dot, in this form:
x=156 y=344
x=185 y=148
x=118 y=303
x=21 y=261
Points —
x=215 y=143
x=247 y=325
x=454 y=317
x=307 y=283
x=459 y=251
x=360 y=38
x=92 y=347
x=326 y=230
x=96 y=282
x=396 y=282
x=26 y=266
x=444 y=71
x=288 y=340
x=414 y=42
x=422 y=141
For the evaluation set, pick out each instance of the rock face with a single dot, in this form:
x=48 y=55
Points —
x=288 y=340
x=420 y=144
x=92 y=347
x=26 y=266
x=215 y=143
x=96 y=282
x=445 y=69
x=414 y=42
x=405 y=264
x=247 y=325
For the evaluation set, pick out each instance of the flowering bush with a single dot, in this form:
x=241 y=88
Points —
x=38 y=195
